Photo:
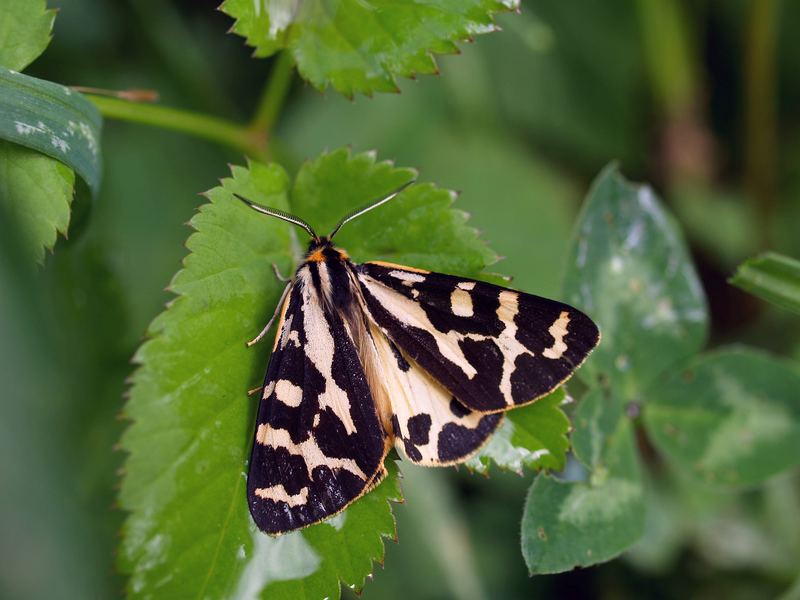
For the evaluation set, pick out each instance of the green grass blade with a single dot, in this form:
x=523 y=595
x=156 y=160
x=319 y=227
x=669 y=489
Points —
x=51 y=119
x=773 y=277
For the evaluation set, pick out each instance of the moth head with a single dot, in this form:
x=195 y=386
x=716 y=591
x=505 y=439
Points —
x=318 y=241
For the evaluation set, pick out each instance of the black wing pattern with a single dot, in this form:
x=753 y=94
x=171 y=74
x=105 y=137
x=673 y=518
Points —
x=430 y=427
x=319 y=443
x=491 y=347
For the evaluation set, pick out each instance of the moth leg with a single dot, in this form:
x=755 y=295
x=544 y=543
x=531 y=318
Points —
x=264 y=331
x=278 y=274
x=255 y=390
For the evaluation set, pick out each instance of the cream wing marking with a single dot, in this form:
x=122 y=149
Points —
x=407 y=277
x=320 y=352
x=461 y=303
x=278 y=493
x=508 y=342
x=559 y=331
x=309 y=450
x=288 y=393
x=411 y=313
x=423 y=417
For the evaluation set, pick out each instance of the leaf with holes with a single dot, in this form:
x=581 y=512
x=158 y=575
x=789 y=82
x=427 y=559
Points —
x=357 y=46
x=189 y=531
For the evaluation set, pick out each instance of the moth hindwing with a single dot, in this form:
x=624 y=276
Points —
x=372 y=355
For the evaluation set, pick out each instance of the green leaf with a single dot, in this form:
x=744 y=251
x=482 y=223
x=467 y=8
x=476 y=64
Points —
x=567 y=524
x=25 y=28
x=773 y=277
x=189 y=532
x=358 y=46
x=667 y=529
x=534 y=437
x=52 y=119
x=36 y=192
x=54 y=131
x=729 y=417
x=630 y=270
x=596 y=419
x=345 y=548
x=420 y=229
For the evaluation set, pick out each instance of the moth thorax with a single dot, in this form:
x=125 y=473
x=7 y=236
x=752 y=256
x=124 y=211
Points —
x=323 y=251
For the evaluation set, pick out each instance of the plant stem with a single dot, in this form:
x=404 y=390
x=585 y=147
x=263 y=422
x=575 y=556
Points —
x=668 y=53
x=274 y=94
x=761 y=129
x=233 y=135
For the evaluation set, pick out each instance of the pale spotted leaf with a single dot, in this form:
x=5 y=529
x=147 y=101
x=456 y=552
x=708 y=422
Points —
x=568 y=524
x=729 y=417
x=629 y=269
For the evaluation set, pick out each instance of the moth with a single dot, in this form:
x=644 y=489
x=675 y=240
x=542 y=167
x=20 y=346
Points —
x=378 y=355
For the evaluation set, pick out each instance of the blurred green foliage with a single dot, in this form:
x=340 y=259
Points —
x=771 y=276
x=520 y=123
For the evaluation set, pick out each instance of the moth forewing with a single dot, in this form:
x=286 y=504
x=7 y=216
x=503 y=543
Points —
x=319 y=444
x=493 y=348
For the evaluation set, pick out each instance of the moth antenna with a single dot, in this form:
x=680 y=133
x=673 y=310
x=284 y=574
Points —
x=374 y=204
x=284 y=216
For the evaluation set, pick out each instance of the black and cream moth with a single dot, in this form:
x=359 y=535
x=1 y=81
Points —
x=377 y=354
